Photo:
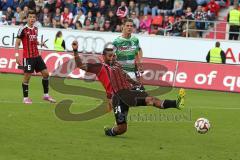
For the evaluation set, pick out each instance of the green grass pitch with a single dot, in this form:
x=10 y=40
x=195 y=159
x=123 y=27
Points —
x=33 y=132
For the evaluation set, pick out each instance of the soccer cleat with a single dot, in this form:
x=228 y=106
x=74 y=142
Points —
x=49 y=98
x=180 y=98
x=27 y=100
x=108 y=131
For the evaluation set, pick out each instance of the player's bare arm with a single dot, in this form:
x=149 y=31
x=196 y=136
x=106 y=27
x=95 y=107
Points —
x=17 y=44
x=77 y=58
x=138 y=60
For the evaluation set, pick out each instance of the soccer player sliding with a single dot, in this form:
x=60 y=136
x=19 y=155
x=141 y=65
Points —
x=119 y=87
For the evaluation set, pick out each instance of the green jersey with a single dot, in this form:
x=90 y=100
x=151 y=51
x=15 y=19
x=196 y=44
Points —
x=126 y=50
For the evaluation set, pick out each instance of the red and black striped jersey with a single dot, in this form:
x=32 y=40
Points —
x=29 y=40
x=112 y=77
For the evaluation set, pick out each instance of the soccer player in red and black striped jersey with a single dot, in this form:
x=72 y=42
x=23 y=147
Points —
x=120 y=89
x=32 y=61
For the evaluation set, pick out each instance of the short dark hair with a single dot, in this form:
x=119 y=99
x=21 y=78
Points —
x=31 y=12
x=217 y=44
x=127 y=20
x=106 y=50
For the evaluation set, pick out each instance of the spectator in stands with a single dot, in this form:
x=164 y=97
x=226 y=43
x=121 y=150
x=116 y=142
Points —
x=118 y=28
x=106 y=26
x=113 y=20
x=21 y=4
x=122 y=11
x=152 y=7
x=158 y=20
x=66 y=17
x=100 y=19
x=178 y=8
x=133 y=8
x=58 y=4
x=80 y=17
x=47 y=22
x=46 y=14
x=66 y=25
x=233 y=19
x=145 y=24
x=54 y=24
x=69 y=5
x=56 y=18
x=40 y=3
x=5 y=4
x=96 y=27
x=9 y=14
x=202 y=2
x=136 y=21
x=51 y=5
x=189 y=29
x=213 y=9
x=91 y=8
x=189 y=14
x=39 y=13
x=31 y=4
x=90 y=18
x=78 y=25
x=88 y=25
x=103 y=8
x=112 y=7
x=177 y=29
x=23 y=14
x=168 y=6
x=59 y=43
x=221 y=3
x=13 y=21
x=200 y=17
x=3 y=21
x=17 y=15
x=15 y=4
x=190 y=3
x=167 y=23
x=216 y=55
x=81 y=8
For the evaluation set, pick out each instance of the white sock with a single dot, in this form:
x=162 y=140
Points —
x=46 y=95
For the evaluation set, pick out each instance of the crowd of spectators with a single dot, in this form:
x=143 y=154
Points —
x=149 y=16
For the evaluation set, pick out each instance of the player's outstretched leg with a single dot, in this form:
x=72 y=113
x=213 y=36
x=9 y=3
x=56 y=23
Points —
x=164 y=104
x=45 y=84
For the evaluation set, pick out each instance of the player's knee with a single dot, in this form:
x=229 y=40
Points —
x=45 y=75
x=149 y=101
x=122 y=128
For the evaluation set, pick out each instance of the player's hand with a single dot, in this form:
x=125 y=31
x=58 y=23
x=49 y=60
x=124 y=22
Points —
x=75 y=45
x=18 y=60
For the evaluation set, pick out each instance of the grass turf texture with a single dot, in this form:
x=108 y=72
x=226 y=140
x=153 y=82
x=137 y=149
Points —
x=33 y=132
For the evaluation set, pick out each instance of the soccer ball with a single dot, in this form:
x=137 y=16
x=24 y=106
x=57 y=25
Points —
x=202 y=125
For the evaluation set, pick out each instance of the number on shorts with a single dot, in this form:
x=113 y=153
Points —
x=117 y=109
x=29 y=67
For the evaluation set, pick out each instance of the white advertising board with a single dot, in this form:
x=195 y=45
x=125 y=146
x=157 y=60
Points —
x=176 y=48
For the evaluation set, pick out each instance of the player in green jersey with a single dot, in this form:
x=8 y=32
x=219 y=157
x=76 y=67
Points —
x=129 y=52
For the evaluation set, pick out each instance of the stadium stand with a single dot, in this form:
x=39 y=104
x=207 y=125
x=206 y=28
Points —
x=164 y=17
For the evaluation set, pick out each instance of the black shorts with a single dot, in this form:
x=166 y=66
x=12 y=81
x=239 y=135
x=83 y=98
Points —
x=33 y=64
x=124 y=99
